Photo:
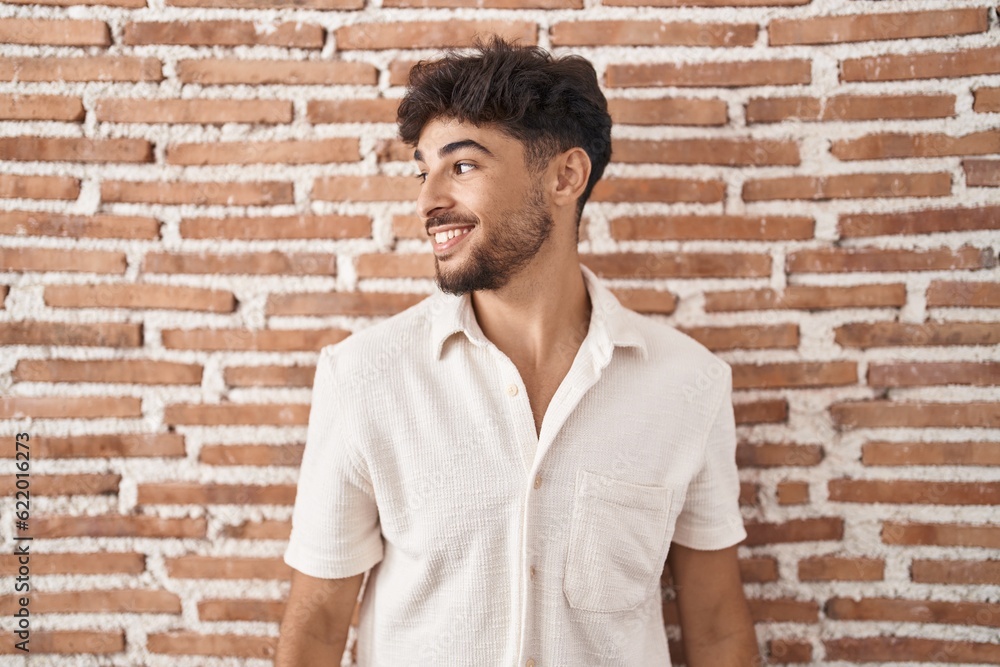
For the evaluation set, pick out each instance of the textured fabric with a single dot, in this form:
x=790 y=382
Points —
x=490 y=545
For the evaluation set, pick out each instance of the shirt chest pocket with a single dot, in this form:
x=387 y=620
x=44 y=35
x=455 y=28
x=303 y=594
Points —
x=617 y=543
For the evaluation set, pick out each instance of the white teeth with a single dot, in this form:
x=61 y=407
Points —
x=441 y=237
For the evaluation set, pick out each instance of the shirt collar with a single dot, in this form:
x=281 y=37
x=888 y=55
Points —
x=610 y=323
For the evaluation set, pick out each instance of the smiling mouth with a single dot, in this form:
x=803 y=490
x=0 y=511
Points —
x=447 y=240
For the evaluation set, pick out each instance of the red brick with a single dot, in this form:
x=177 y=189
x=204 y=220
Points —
x=849 y=108
x=429 y=34
x=955 y=571
x=913 y=611
x=795 y=374
x=92 y=68
x=658 y=190
x=792 y=493
x=668 y=111
x=900 y=144
x=59 y=260
x=861 y=27
x=931 y=373
x=140 y=296
x=197 y=493
x=252 y=455
x=266 y=340
x=489 y=4
x=351 y=304
x=17 y=186
x=919 y=222
x=987 y=100
x=235 y=414
x=224 y=33
x=789 y=651
x=78 y=563
x=58 y=32
x=260 y=530
x=652 y=33
x=241 y=263
x=278 y=227
x=117 y=525
x=220 y=71
x=68 y=225
x=268 y=376
x=231 y=646
x=704 y=3
x=267 y=4
x=647 y=300
x=268 y=611
x=808 y=297
x=645 y=265
x=43 y=642
x=75 y=149
x=266 y=152
x=365 y=188
x=126 y=371
x=834 y=568
x=69 y=407
x=203 y=111
x=848 y=186
x=133 y=4
x=767 y=411
x=915 y=414
x=895 y=334
x=982 y=173
x=941 y=534
x=961 y=293
x=228 y=567
x=83 y=484
x=711 y=74
x=914 y=492
x=794 y=530
x=748 y=337
x=910 y=649
x=199 y=193
x=879 y=453
x=785 y=610
x=95 y=334
x=969 y=62
x=378 y=110
x=126 y=601
x=381 y=265
x=770 y=455
x=726 y=152
x=111 y=445
x=722 y=227
x=837 y=260
x=41 y=107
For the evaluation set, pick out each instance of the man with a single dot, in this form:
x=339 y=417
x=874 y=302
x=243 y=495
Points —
x=515 y=457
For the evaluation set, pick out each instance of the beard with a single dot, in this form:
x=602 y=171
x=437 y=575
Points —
x=501 y=252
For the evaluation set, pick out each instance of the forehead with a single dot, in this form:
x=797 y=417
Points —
x=442 y=136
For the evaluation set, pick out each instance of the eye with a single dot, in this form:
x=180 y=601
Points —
x=422 y=176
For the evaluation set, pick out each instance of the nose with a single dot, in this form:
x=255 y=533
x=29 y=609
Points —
x=434 y=198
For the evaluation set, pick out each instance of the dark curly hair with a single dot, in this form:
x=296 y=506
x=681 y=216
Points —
x=548 y=104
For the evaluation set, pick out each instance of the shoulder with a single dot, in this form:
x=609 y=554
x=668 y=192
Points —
x=382 y=347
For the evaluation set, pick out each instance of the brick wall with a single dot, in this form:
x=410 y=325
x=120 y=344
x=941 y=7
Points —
x=197 y=195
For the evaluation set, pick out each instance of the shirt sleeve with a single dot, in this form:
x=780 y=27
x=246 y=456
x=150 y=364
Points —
x=711 y=517
x=335 y=524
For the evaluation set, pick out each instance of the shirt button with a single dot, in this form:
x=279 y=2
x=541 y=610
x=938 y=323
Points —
x=530 y=663
x=512 y=389
x=538 y=481
x=531 y=571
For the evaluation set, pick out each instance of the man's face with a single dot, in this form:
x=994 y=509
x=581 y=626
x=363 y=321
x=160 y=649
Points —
x=475 y=179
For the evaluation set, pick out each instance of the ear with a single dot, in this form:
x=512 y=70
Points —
x=572 y=170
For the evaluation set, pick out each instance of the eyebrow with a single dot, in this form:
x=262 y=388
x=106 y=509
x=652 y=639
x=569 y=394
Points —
x=454 y=146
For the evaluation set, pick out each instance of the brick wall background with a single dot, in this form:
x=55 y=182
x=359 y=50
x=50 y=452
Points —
x=197 y=195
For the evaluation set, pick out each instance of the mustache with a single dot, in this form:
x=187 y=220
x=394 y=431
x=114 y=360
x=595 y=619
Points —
x=449 y=219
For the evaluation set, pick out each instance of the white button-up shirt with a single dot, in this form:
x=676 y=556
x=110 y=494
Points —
x=491 y=545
